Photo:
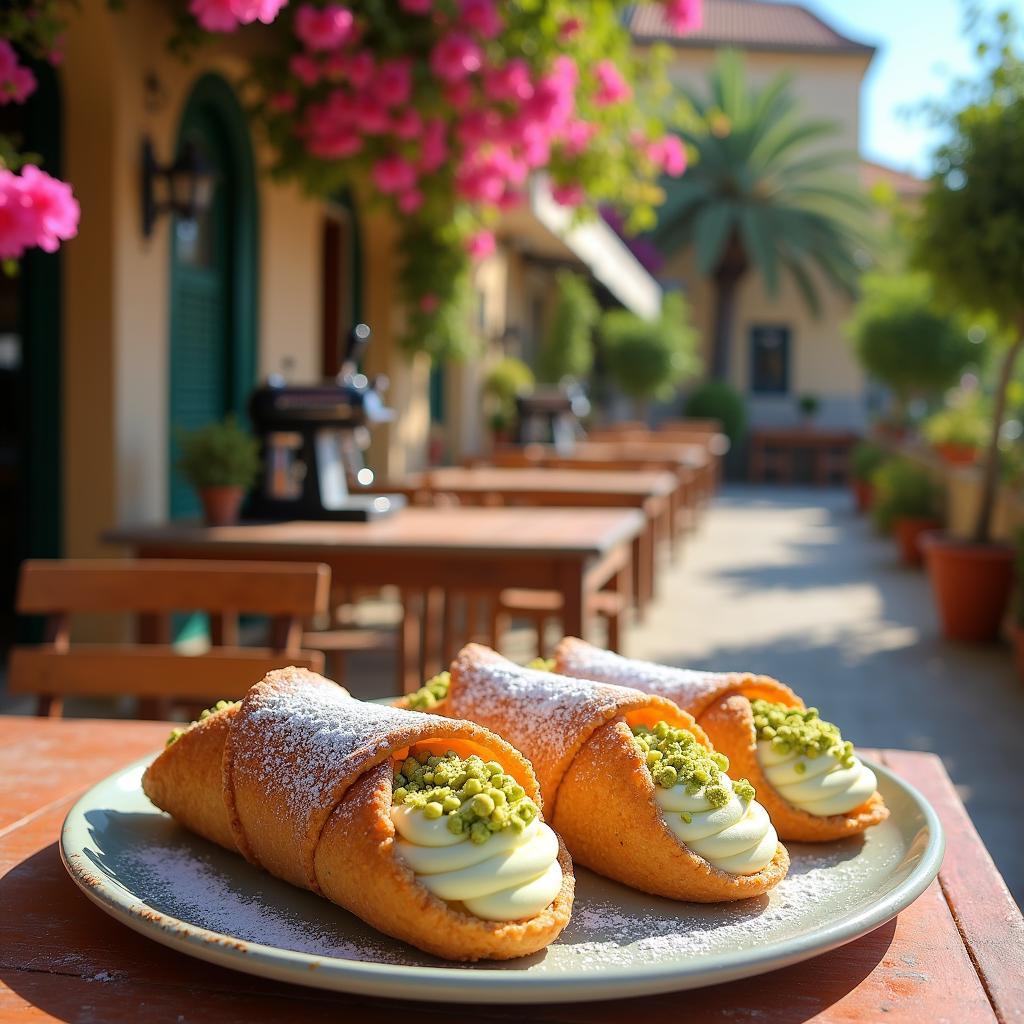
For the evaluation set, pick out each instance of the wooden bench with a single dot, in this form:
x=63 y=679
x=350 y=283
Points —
x=152 y=590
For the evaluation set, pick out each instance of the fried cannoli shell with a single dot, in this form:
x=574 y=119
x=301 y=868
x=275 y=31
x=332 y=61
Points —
x=547 y=717
x=343 y=781
x=624 y=821
x=694 y=692
x=296 y=745
x=730 y=723
x=356 y=867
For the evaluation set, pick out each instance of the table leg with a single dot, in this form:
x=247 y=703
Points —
x=572 y=587
x=408 y=661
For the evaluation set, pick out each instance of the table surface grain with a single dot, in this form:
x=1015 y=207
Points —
x=513 y=480
x=957 y=954
x=434 y=531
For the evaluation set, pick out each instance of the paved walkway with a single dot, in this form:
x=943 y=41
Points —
x=789 y=582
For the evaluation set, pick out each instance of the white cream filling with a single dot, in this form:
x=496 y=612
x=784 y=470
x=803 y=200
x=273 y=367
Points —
x=513 y=875
x=822 y=786
x=738 y=837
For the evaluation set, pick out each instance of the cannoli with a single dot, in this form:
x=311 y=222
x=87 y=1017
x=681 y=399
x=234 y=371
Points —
x=811 y=781
x=426 y=828
x=630 y=782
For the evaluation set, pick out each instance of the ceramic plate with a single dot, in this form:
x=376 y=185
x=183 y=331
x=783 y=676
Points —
x=144 y=870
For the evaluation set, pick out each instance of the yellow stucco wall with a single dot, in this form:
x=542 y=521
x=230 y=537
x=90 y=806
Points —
x=117 y=282
x=821 y=362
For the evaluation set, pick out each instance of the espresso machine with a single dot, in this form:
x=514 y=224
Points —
x=312 y=440
x=552 y=416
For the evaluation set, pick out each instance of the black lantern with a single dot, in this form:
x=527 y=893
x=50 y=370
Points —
x=184 y=188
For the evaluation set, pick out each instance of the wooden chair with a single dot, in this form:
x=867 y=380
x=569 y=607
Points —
x=152 y=590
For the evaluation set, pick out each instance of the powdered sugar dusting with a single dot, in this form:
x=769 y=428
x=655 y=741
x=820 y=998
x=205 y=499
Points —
x=546 y=716
x=693 y=691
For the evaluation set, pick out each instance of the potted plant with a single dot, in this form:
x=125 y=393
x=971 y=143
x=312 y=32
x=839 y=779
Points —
x=716 y=400
x=970 y=236
x=221 y=461
x=908 y=503
x=864 y=461
x=647 y=359
x=906 y=343
x=809 y=406
x=958 y=432
x=506 y=380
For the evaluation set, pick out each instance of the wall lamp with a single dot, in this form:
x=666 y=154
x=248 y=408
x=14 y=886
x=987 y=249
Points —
x=183 y=188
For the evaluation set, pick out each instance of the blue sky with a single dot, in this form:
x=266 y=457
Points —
x=921 y=46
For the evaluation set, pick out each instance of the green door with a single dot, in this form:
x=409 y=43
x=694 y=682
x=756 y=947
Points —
x=213 y=293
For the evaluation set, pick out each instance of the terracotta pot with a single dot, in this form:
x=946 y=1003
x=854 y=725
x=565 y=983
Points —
x=971 y=583
x=954 y=453
x=221 y=505
x=863 y=495
x=908 y=531
x=1017 y=639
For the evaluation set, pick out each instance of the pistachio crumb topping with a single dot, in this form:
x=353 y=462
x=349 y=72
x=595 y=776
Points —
x=431 y=693
x=180 y=731
x=675 y=758
x=800 y=731
x=542 y=664
x=475 y=796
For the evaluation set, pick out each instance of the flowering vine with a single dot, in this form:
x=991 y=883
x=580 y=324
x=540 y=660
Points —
x=36 y=209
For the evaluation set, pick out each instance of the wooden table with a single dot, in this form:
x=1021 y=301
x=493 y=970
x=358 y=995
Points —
x=955 y=955
x=648 y=490
x=774 y=450
x=436 y=556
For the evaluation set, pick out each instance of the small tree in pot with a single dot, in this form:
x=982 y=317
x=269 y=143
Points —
x=221 y=461
x=905 y=342
x=971 y=239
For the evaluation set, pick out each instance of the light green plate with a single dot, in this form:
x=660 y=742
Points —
x=143 y=869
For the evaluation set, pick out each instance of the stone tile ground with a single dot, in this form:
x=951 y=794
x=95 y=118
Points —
x=790 y=583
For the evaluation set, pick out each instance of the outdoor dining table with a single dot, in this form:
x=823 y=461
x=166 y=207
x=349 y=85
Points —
x=430 y=552
x=648 y=490
x=956 y=954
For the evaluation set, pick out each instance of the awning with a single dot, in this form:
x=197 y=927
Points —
x=546 y=227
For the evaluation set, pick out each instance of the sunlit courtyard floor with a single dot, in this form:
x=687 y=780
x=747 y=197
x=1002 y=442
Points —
x=789 y=582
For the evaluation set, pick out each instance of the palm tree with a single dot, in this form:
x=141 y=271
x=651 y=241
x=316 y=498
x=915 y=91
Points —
x=762 y=195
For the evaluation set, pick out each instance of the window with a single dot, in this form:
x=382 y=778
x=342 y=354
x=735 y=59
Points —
x=769 y=360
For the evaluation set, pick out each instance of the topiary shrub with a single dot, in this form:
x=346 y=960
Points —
x=716 y=400
x=647 y=359
x=568 y=349
x=220 y=454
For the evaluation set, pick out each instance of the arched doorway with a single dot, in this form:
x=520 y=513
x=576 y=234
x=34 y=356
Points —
x=30 y=370
x=214 y=262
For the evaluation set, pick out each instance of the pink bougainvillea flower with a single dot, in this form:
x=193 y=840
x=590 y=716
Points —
x=410 y=201
x=577 y=136
x=568 y=195
x=455 y=57
x=669 y=154
x=510 y=83
x=416 y=6
x=393 y=83
x=17 y=83
x=611 y=86
x=361 y=69
x=393 y=174
x=480 y=245
x=459 y=95
x=305 y=68
x=433 y=145
x=17 y=225
x=324 y=28
x=371 y=116
x=227 y=15
x=685 y=15
x=53 y=207
x=264 y=11
x=569 y=28
x=407 y=124
x=482 y=17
